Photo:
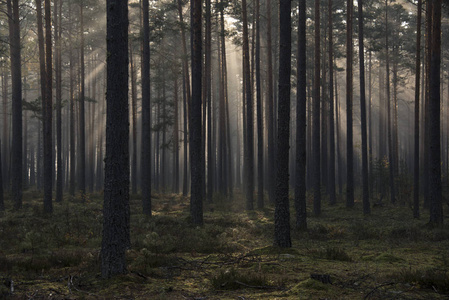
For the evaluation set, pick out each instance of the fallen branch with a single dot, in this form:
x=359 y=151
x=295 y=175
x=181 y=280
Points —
x=378 y=287
x=264 y=287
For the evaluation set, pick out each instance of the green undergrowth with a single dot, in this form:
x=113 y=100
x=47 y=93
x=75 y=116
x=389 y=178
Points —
x=342 y=255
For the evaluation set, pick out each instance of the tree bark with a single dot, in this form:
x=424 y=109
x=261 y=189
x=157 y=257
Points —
x=249 y=154
x=196 y=159
x=365 y=197
x=331 y=181
x=390 y=140
x=282 y=211
x=116 y=190
x=301 y=119
x=16 y=81
x=260 y=168
x=417 y=91
x=435 y=196
x=270 y=109
x=58 y=83
x=82 y=123
x=146 y=113
x=349 y=101
x=316 y=117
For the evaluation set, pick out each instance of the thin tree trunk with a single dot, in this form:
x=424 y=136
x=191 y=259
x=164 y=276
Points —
x=270 y=120
x=390 y=141
x=16 y=81
x=72 y=111
x=186 y=95
x=196 y=159
x=365 y=197
x=301 y=120
x=249 y=154
x=133 y=121
x=58 y=83
x=260 y=168
x=417 y=91
x=146 y=113
x=331 y=181
x=316 y=117
x=349 y=101
x=208 y=96
x=82 y=123
x=2 y=203
x=435 y=196
x=176 y=138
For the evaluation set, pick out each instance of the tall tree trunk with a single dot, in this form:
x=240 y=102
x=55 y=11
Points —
x=370 y=124
x=249 y=154
x=365 y=198
x=187 y=96
x=270 y=109
x=282 y=210
x=316 y=117
x=176 y=138
x=82 y=123
x=196 y=159
x=58 y=83
x=435 y=196
x=116 y=189
x=133 y=120
x=331 y=181
x=72 y=110
x=417 y=91
x=46 y=93
x=208 y=96
x=5 y=126
x=337 y=121
x=2 y=203
x=146 y=113
x=390 y=140
x=349 y=101
x=260 y=168
x=16 y=81
x=301 y=119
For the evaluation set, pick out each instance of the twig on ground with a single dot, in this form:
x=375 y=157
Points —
x=376 y=288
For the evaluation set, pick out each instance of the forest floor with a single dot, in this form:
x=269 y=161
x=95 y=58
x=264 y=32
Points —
x=343 y=255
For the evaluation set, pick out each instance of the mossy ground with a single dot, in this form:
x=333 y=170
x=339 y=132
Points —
x=387 y=255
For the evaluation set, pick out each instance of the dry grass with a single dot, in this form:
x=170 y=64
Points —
x=383 y=256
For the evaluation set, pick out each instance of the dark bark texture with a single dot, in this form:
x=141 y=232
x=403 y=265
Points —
x=301 y=101
x=196 y=190
x=282 y=212
x=116 y=186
